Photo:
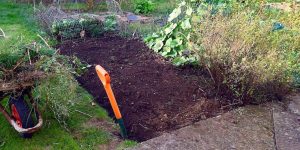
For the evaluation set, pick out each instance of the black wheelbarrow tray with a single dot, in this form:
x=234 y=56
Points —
x=20 y=116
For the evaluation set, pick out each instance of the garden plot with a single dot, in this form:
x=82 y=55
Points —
x=153 y=95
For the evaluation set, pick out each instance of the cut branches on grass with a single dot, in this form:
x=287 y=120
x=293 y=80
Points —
x=26 y=49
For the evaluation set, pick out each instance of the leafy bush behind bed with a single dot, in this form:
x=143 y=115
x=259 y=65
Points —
x=246 y=55
x=71 y=28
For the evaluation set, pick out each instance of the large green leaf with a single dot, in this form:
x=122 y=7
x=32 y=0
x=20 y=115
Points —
x=166 y=51
x=176 y=12
x=168 y=42
x=186 y=24
x=170 y=28
x=175 y=43
x=150 y=43
x=158 y=45
x=189 y=11
x=179 y=61
x=173 y=53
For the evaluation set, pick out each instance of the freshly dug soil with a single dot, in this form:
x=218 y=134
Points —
x=153 y=95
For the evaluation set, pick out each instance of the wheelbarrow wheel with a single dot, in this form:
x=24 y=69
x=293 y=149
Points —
x=21 y=113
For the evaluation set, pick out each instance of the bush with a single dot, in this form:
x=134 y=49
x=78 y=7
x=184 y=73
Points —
x=247 y=54
x=110 y=23
x=143 y=6
x=73 y=28
x=83 y=26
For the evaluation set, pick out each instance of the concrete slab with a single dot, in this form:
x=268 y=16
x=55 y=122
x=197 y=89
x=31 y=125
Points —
x=287 y=125
x=248 y=128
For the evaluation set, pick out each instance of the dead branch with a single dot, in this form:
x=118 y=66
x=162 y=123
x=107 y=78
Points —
x=44 y=40
x=86 y=114
x=12 y=86
x=211 y=75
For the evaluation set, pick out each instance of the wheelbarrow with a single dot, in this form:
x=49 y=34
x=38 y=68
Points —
x=20 y=116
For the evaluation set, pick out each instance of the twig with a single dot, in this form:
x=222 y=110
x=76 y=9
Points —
x=29 y=57
x=44 y=41
x=212 y=77
x=19 y=62
x=84 y=113
x=143 y=126
x=230 y=105
x=3 y=34
x=3 y=69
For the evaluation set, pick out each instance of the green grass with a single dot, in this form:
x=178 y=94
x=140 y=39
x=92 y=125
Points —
x=54 y=136
x=162 y=7
x=74 y=6
x=18 y=24
x=100 y=6
x=140 y=29
x=15 y=25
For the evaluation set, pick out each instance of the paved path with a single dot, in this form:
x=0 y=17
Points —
x=287 y=124
x=264 y=127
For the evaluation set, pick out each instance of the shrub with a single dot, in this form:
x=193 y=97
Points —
x=143 y=6
x=247 y=55
x=72 y=28
x=110 y=23
x=84 y=26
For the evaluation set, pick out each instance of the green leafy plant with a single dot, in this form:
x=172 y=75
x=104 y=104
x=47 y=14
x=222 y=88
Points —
x=85 y=26
x=110 y=23
x=173 y=41
x=143 y=6
x=72 y=28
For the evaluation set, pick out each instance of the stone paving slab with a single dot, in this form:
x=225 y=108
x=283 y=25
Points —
x=275 y=125
x=249 y=128
x=287 y=125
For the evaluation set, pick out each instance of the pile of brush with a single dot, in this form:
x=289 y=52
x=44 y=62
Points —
x=23 y=67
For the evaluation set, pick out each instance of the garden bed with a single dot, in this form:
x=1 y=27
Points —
x=153 y=95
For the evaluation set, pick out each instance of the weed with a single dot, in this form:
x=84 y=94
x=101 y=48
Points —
x=110 y=23
x=139 y=29
x=143 y=6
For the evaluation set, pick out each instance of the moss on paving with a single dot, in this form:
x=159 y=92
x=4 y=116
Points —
x=16 y=20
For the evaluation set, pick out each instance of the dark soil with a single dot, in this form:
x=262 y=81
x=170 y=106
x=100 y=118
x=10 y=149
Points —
x=153 y=95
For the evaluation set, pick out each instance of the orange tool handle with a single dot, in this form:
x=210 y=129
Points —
x=105 y=79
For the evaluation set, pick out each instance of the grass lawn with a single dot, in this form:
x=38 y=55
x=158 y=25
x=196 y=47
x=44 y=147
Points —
x=18 y=24
x=100 y=6
x=162 y=7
